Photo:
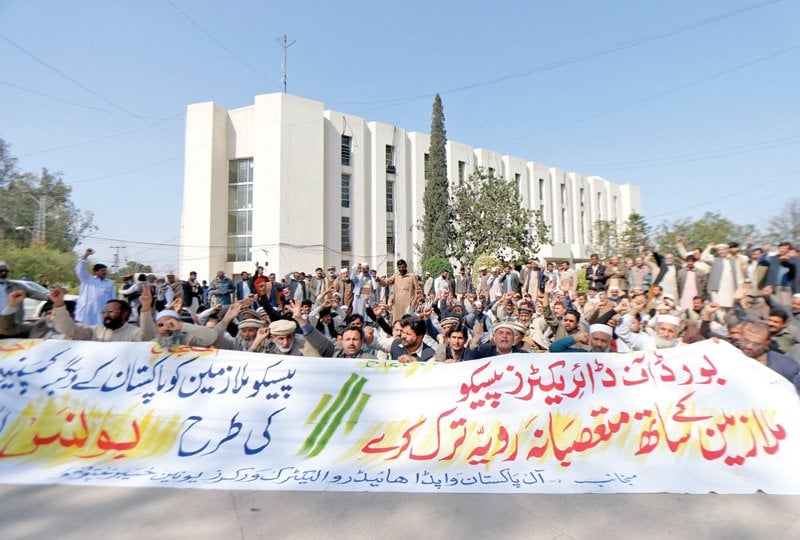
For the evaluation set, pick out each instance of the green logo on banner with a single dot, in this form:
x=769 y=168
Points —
x=350 y=399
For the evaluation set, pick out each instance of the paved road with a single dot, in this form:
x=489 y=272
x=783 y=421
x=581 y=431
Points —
x=84 y=513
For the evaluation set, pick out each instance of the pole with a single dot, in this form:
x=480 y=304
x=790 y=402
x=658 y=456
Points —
x=284 y=44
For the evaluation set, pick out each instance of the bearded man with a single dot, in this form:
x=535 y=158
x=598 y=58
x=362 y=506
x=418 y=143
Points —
x=115 y=326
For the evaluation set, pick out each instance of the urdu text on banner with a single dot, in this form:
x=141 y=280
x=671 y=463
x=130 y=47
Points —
x=693 y=419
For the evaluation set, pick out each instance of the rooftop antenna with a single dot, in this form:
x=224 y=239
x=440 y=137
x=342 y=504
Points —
x=284 y=44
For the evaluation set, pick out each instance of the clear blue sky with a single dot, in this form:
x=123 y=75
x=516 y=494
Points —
x=695 y=102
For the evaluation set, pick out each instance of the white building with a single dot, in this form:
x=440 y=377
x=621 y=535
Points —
x=285 y=181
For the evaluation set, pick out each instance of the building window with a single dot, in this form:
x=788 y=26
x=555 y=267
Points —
x=563 y=224
x=491 y=171
x=583 y=227
x=345 y=191
x=345 y=233
x=390 y=159
x=390 y=196
x=347 y=146
x=462 y=169
x=240 y=209
x=541 y=189
x=389 y=236
x=517 y=177
x=389 y=268
x=563 y=196
x=345 y=263
x=427 y=158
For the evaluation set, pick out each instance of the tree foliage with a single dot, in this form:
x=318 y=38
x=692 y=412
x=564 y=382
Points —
x=20 y=197
x=436 y=264
x=785 y=227
x=711 y=228
x=491 y=219
x=41 y=264
x=437 y=222
x=605 y=238
x=635 y=233
x=483 y=260
x=130 y=268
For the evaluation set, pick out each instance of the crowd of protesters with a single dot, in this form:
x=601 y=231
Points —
x=747 y=296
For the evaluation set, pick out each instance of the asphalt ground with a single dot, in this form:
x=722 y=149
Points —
x=68 y=512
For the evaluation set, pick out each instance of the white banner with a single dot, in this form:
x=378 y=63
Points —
x=693 y=419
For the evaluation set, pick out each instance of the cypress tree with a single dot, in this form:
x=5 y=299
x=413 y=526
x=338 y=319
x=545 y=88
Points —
x=437 y=223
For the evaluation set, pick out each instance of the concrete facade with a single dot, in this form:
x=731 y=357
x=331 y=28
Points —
x=292 y=212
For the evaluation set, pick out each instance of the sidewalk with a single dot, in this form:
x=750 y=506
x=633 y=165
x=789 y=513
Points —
x=84 y=513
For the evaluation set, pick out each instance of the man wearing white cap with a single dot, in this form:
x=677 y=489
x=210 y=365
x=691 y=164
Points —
x=504 y=337
x=344 y=286
x=364 y=285
x=598 y=340
x=667 y=330
x=171 y=330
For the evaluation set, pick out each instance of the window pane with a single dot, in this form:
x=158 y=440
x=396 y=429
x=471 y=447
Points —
x=240 y=204
x=346 y=145
x=390 y=196
x=233 y=200
x=345 y=191
x=345 y=234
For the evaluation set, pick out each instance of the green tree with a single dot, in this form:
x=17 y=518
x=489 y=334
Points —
x=711 y=228
x=130 y=268
x=635 y=233
x=490 y=219
x=583 y=283
x=484 y=259
x=41 y=264
x=436 y=264
x=437 y=223
x=605 y=238
x=23 y=198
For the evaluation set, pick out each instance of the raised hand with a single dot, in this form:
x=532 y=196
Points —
x=16 y=298
x=146 y=298
x=57 y=297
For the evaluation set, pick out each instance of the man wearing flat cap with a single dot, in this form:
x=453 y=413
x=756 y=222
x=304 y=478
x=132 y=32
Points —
x=281 y=338
x=250 y=327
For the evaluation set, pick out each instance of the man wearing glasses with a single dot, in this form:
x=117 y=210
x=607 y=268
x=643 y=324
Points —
x=115 y=326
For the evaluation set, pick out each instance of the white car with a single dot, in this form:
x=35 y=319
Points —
x=35 y=297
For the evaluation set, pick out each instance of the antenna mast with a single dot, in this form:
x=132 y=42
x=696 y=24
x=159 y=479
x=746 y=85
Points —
x=284 y=44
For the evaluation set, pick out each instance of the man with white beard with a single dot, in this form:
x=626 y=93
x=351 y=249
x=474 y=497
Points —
x=245 y=339
x=597 y=339
x=666 y=336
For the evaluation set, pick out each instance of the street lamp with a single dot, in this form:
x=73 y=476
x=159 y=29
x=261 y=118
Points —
x=24 y=228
